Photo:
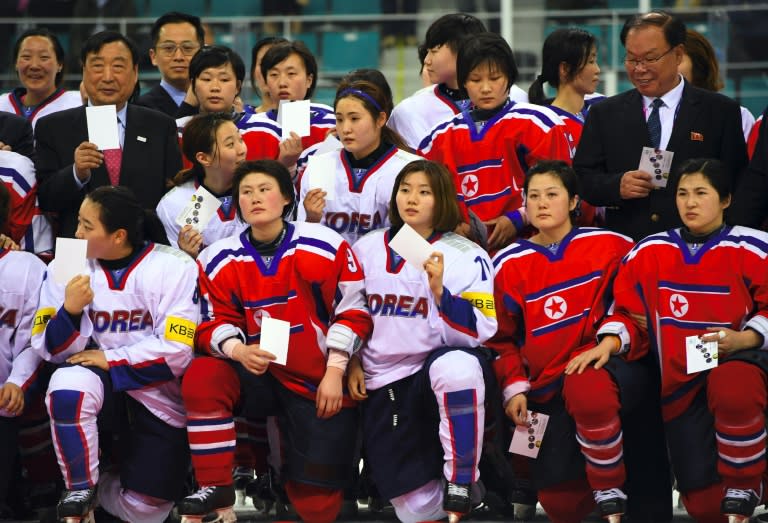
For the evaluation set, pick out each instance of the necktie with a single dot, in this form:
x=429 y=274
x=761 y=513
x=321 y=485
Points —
x=113 y=158
x=654 y=123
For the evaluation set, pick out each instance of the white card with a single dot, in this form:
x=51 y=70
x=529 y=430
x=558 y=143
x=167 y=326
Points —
x=274 y=338
x=102 y=126
x=411 y=246
x=657 y=163
x=321 y=170
x=200 y=209
x=294 y=117
x=700 y=355
x=280 y=111
x=331 y=143
x=526 y=441
x=70 y=259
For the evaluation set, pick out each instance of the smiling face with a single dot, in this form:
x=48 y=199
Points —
x=657 y=77
x=699 y=204
x=358 y=131
x=216 y=88
x=109 y=75
x=288 y=80
x=487 y=86
x=416 y=202
x=548 y=204
x=37 y=66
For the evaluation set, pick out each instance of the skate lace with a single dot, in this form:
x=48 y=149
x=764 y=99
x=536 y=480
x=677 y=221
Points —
x=75 y=496
x=458 y=490
x=611 y=493
x=203 y=493
x=737 y=493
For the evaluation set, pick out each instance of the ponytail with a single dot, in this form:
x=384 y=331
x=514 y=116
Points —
x=536 y=91
x=153 y=228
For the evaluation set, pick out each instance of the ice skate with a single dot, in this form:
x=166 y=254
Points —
x=76 y=506
x=220 y=500
x=242 y=476
x=456 y=501
x=612 y=504
x=739 y=504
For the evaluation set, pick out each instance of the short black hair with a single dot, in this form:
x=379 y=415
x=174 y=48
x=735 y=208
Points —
x=271 y=168
x=485 y=48
x=715 y=172
x=560 y=170
x=672 y=26
x=450 y=29
x=176 y=17
x=280 y=52
x=267 y=40
x=95 y=42
x=57 y=48
x=215 y=56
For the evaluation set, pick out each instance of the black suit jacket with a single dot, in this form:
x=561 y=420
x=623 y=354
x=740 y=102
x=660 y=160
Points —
x=150 y=157
x=750 y=203
x=158 y=99
x=17 y=132
x=707 y=125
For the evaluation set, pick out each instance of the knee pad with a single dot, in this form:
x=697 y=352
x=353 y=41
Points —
x=422 y=504
x=74 y=393
x=457 y=370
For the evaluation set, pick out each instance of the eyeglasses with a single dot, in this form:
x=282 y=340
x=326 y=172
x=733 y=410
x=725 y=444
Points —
x=187 y=48
x=632 y=62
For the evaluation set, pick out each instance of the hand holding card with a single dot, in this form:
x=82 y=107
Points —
x=274 y=338
x=657 y=163
x=294 y=117
x=70 y=259
x=700 y=355
x=411 y=246
x=526 y=440
x=200 y=209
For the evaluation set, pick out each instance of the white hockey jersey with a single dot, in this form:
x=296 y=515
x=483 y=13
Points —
x=223 y=224
x=58 y=101
x=359 y=205
x=21 y=275
x=407 y=323
x=143 y=317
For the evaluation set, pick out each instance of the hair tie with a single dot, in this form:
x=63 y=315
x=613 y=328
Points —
x=358 y=92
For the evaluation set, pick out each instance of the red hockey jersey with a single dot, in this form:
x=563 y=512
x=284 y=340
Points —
x=549 y=305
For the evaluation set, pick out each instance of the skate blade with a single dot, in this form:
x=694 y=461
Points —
x=613 y=518
x=737 y=518
x=223 y=515
x=454 y=517
x=88 y=518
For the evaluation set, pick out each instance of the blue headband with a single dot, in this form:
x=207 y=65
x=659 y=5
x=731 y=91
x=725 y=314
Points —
x=358 y=92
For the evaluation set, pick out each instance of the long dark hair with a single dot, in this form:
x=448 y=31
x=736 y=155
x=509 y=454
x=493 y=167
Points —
x=569 y=45
x=199 y=135
x=119 y=209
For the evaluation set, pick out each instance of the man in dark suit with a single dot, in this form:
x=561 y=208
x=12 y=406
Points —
x=694 y=124
x=69 y=166
x=176 y=37
x=16 y=134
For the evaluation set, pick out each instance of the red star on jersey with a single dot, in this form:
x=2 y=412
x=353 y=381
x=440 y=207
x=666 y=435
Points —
x=555 y=307
x=679 y=305
x=470 y=185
